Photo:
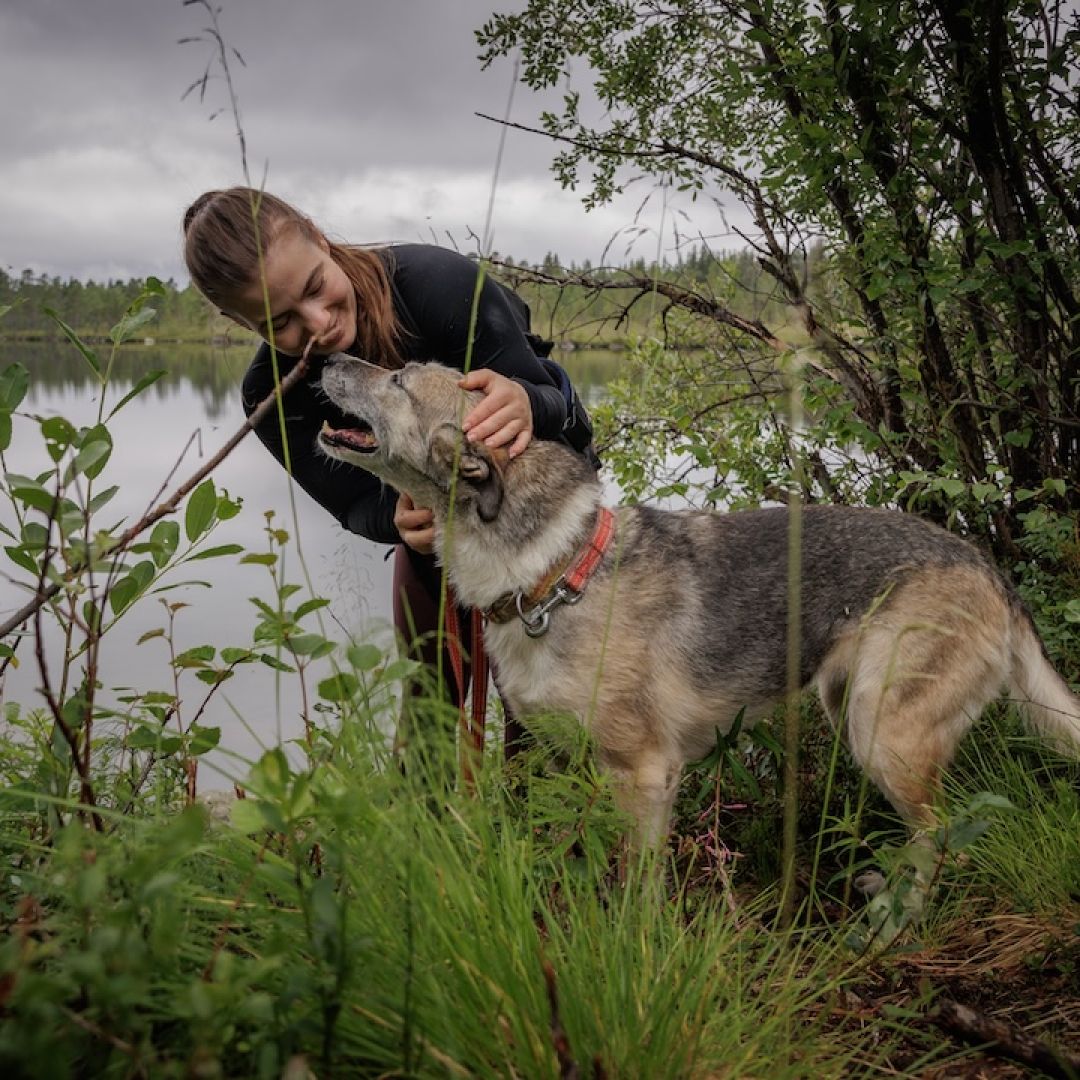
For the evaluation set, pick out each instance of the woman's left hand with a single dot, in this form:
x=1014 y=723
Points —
x=505 y=414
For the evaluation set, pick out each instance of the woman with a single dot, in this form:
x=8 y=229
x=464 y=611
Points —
x=388 y=305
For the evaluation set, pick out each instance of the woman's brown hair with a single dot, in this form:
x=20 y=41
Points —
x=223 y=233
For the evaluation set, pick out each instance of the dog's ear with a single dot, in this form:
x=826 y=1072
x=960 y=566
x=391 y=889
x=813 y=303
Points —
x=479 y=467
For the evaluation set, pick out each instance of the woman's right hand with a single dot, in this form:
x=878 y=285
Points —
x=415 y=524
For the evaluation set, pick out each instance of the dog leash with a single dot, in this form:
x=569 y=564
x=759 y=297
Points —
x=559 y=586
x=470 y=723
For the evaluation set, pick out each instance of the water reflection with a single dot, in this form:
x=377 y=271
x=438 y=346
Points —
x=198 y=397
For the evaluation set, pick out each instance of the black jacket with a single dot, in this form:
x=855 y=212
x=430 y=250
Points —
x=432 y=291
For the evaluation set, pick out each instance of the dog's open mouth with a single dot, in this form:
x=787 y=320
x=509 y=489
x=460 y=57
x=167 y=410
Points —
x=360 y=439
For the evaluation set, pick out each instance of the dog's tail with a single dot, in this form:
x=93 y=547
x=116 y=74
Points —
x=1051 y=707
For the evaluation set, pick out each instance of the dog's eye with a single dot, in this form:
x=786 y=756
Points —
x=396 y=378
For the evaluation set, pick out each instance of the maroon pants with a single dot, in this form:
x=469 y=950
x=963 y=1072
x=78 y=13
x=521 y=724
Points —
x=417 y=580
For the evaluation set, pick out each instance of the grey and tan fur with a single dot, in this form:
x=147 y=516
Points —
x=907 y=632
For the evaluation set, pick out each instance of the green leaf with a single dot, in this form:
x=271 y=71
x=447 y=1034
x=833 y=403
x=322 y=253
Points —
x=199 y=656
x=364 y=657
x=952 y=486
x=401 y=668
x=265 y=558
x=183 y=584
x=309 y=606
x=246 y=816
x=101 y=499
x=14 y=382
x=228 y=507
x=20 y=557
x=143 y=738
x=58 y=430
x=95 y=462
x=203 y=739
x=275 y=663
x=164 y=540
x=87 y=353
x=150 y=635
x=964 y=833
x=340 y=687
x=310 y=645
x=216 y=552
x=271 y=773
x=122 y=594
x=200 y=510
x=148 y=379
x=5 y=429
x=130 y=324
x=230 y=655
x=213 y=676
x=91 y=457
x=37 y=497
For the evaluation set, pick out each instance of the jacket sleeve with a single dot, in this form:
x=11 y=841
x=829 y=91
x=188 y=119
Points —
x=359 y=501
x=440 y=301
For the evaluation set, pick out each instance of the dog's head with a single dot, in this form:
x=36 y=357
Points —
x=408 y=433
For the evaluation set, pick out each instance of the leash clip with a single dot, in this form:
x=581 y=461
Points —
x=538 y=619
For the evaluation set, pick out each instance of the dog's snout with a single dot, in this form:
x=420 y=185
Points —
x=337 y=359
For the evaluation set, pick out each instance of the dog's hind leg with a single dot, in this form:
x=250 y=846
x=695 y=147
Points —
x=924 y=669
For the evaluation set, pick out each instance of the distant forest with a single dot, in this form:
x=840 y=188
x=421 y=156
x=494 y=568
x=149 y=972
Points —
x=564 y=309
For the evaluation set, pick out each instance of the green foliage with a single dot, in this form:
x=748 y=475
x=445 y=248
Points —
x=907 y=174
x=344 y=916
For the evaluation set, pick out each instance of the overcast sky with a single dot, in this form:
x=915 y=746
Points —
x=361 y=111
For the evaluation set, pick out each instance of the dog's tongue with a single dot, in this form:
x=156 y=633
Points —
x=350 y=438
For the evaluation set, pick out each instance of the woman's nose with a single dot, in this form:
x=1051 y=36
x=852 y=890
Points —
x=317 y=319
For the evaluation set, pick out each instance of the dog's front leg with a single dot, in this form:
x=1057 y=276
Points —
x=646 y=791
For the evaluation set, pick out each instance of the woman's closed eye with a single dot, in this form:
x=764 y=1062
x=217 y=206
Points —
x=310 y=293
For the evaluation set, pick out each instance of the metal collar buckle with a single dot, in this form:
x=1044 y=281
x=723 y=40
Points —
x=537 y=619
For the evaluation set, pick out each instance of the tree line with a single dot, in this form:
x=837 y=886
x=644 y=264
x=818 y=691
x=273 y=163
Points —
x=91 y=308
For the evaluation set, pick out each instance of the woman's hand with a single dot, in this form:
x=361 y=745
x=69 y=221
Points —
x=505 y=414
x=415 y=524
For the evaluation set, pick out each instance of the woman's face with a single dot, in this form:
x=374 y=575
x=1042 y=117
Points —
x=310 y=297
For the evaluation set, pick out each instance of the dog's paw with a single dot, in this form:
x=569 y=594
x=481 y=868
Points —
x=869 y=883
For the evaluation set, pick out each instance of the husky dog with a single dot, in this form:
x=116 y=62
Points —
x=681 y=623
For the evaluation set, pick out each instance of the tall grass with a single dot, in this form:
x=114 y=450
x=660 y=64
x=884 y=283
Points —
x=373 y=933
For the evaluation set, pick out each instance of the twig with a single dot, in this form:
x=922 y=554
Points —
x=100 y=1033
x=1004 y=1040
x=568 y=1068
x=681 y=297
x=170 y=505
x=86 y=790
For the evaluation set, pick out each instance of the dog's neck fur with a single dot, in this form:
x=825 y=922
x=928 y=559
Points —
x=514 y=552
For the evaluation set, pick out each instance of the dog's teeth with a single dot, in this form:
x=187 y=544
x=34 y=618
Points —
x=349 y=438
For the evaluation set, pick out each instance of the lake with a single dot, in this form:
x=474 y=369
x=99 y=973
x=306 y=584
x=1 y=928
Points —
x=196 y=406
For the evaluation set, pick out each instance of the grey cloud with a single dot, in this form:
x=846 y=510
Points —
x=364 y=110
